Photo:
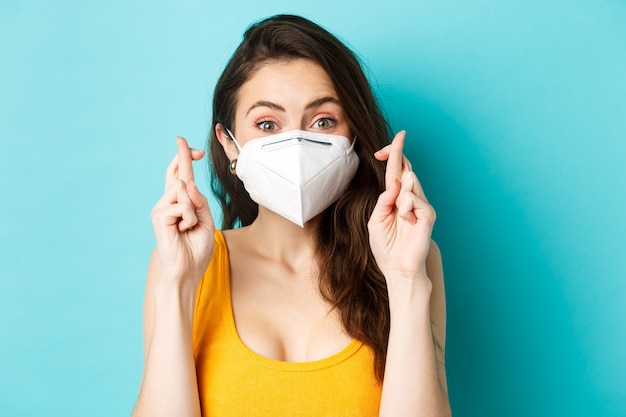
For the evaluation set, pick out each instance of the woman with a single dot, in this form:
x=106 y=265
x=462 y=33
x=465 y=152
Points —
x=328 y=300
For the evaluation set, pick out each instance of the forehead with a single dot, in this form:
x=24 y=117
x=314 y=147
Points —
x=286 y=82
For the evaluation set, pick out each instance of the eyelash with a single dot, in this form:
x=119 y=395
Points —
x=332 y=121
x=260 y=124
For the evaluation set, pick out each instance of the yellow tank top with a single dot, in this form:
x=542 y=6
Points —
x=235 y=381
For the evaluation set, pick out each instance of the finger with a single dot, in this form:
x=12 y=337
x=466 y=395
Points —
x=386 y=203
x=175 y=208
x=394 y=161
x=406 y=164
x=201 y=204
x=383 y=153
x=185 y=168
x=171 y=174
x=177 y=195
x=413 y=208
x=405 y=204
x=411 y=184
x=189 y=194
x=179 y=215
x=196 y=154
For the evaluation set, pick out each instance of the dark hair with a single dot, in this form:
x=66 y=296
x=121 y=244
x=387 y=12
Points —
x=349 y=277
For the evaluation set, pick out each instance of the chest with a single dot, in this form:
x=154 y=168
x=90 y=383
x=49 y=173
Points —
x=234 y=380
x=282 y=316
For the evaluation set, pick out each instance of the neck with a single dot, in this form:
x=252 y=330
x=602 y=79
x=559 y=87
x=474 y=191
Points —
x=280 y=239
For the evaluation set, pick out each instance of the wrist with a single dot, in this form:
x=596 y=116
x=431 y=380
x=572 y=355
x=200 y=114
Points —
x=408 y=295
x=176 y=298
x=415 y=283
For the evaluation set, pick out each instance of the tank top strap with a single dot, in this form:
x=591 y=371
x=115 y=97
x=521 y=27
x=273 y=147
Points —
x=212 y=295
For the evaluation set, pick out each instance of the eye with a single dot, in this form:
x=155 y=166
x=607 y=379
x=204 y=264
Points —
x=324 y=123
x=267 y=126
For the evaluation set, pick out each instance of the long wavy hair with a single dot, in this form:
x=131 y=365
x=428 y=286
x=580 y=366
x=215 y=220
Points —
x=349 y=277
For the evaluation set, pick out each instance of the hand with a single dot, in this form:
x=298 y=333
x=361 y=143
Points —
x=402 y=221
x=182 y=221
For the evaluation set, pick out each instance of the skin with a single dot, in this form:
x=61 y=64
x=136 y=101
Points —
x=278 y=310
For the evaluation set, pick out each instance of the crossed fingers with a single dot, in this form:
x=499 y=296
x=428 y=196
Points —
x=181 y=199
x=399 y=167
x=181 y=166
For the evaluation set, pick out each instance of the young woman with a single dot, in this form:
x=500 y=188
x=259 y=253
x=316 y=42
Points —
x=323 y=293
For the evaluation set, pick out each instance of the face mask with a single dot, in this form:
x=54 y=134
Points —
x=296 y=174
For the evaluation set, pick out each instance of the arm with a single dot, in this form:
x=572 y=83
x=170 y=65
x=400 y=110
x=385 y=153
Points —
x=184 y=233
x=415 y=374
x=169 y=385
x=400 y=237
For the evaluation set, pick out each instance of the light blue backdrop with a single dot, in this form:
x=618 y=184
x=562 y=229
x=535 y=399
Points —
x=516 y=120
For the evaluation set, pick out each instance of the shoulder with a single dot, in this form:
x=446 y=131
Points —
x=232 y=235
x=237 y=242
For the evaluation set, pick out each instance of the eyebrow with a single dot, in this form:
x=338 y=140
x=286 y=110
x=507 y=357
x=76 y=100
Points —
x=322 y=100
x=315 y=103
x=263 y=103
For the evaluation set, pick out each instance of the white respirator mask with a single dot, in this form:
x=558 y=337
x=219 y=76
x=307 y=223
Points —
x=296 y=174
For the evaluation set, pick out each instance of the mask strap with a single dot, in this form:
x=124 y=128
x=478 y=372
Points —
x=352 y=145
x=233 y=138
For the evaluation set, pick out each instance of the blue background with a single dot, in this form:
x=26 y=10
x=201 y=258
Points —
x=516 y=120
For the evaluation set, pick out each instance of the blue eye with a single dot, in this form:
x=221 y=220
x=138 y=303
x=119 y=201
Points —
x=267 y=126
x=324 y=123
